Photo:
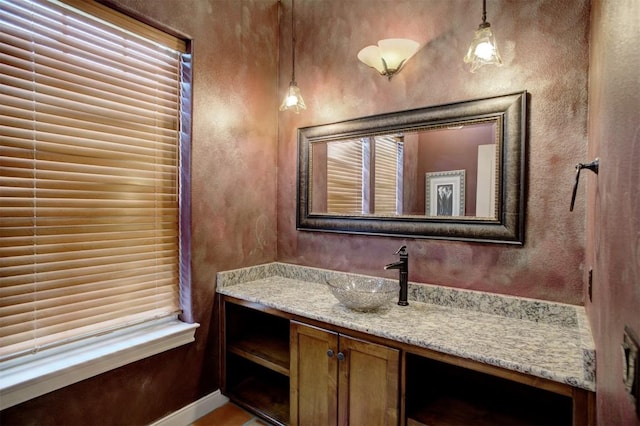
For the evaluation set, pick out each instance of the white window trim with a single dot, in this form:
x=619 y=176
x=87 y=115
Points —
x=30 y=376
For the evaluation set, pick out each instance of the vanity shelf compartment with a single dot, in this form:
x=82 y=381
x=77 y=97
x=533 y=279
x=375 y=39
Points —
x=258 y=389
x=255 y=367
x=264 y=350
x=442 y=394
x=259 y=337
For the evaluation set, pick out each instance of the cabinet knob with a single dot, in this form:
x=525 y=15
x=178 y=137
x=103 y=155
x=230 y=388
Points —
x=330 y=353
x=340 y=356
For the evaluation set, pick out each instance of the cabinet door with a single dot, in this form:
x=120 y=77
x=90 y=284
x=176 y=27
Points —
x=314 y=375
x=368 y=383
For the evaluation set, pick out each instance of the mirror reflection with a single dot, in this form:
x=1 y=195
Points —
x=444 y=171
x=454 y=171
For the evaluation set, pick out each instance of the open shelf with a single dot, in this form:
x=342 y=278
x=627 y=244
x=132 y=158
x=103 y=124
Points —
x=256 y=364
x=440 y=394
x=259 y=337
x=270 y=352
x=258 y=389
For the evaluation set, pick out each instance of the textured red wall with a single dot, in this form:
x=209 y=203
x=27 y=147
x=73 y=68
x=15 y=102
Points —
x=234 y=214
x=544 y=45
x=236 y=128
x=613 y=242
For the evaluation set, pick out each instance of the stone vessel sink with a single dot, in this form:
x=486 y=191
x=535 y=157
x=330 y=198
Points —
x=364 y=294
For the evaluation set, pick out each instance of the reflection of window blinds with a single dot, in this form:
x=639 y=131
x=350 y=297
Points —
x=386 y=173
x=344 y=171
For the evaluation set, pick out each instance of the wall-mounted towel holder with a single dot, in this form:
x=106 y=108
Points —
x=593 y=166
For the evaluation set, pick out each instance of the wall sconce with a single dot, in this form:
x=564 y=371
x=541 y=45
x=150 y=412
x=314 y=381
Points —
x=293 y=99
x=483 y=49
x=389 y=56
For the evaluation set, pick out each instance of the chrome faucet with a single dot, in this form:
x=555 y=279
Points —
x=402 y=266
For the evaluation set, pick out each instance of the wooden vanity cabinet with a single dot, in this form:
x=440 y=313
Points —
x=339 y=380
x=311 y=373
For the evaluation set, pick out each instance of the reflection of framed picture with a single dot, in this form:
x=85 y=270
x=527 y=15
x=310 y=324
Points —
x=445 y=193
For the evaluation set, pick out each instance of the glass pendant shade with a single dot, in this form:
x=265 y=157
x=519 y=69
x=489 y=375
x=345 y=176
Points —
x=293 y=99
x=389 y=56
x=483 y=49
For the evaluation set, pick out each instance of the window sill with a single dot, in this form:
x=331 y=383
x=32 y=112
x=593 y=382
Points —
x=34 y=375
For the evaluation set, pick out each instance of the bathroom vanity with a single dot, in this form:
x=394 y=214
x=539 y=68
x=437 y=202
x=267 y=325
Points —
x=292 y=354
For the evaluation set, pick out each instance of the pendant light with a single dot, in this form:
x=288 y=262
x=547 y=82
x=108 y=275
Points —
x=483 y=49
x=293 y=99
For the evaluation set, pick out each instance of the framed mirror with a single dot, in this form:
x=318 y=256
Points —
x=453 y=171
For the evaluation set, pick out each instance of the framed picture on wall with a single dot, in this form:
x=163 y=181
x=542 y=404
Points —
x=445 y=193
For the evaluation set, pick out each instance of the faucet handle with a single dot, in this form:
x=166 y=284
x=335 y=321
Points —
x=402 y=251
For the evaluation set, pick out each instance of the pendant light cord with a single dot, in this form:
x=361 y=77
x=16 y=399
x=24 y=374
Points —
x=293 y=42
x=484 y=11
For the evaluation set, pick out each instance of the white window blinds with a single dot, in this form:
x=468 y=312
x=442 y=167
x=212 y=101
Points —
x=90 y=168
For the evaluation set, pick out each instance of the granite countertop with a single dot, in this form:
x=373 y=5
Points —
x=543 y=339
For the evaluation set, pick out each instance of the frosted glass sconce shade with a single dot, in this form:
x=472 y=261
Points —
x=389 y=56
x=293 y=99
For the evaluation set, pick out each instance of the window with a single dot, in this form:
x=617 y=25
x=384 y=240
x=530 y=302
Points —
x=93 y=157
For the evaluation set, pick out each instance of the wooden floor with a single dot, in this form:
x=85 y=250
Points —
x=229 y=415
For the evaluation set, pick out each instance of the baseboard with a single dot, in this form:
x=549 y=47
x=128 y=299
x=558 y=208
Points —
x=192 y=412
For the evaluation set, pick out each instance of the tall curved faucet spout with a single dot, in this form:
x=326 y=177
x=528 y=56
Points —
x=402 y=266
